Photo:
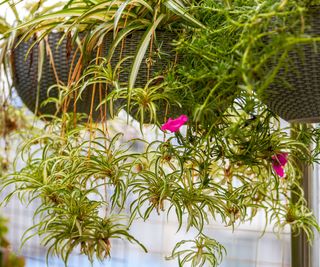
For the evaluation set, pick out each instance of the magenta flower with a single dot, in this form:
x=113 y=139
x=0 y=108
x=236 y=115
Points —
x=173 y=125
x=279 y=161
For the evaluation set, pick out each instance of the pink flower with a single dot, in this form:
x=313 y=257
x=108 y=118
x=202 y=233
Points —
x=279 y=161
x=173 y=125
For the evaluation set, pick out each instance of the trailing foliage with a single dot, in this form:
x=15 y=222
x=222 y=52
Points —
x=202 y=252
x=232 y=160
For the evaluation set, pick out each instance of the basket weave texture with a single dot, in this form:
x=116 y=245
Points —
x=295 y=94
x=25 y=69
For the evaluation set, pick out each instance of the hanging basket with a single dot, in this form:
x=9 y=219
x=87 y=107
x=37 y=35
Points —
x=25 y=70
x=295 y=93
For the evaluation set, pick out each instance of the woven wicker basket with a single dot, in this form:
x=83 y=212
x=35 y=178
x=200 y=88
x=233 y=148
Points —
x=25 y=70
x=295 y=94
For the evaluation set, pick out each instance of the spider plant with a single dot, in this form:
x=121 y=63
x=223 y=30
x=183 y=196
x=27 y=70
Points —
x=85 y=181
x=99 y=19
x=75 y=213
x=201 y=252
x=7 y=25
x=233 y=159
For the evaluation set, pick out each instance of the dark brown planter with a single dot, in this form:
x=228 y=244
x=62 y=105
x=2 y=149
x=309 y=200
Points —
x=295 y=93
x=25 y=70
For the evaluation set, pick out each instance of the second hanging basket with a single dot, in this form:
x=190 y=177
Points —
x=295 y=93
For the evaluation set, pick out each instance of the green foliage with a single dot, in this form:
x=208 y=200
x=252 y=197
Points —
x=219 y=168
x=3 y=231
x=204 y=251
x=122 y=18
x=4 y=27
x=72 y=174
x=68 y=180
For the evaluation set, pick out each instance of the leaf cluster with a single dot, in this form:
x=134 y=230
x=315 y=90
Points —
x=220 y=168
